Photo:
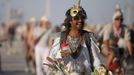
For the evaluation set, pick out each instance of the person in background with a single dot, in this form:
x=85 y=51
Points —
x=31 y=44
x=41 y=34
x=116 y=41
x=25 y=37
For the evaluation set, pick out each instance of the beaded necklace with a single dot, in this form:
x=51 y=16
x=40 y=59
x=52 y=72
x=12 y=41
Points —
x=75 y=45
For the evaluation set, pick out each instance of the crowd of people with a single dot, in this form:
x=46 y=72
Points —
x=73 y=49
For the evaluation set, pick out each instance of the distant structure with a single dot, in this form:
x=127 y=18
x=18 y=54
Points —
x=13 y=14
x=130 y=12
x=48 y=8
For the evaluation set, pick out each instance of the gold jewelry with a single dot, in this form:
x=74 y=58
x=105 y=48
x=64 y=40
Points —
x=74 y=10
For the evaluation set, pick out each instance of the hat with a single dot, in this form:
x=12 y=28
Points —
x=76 y=10
x=118 y=12
x=43 y=18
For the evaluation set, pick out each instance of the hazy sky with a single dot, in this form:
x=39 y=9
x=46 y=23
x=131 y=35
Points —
x=98 y=11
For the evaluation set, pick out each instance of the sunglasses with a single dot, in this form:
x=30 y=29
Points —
x=121 y=19
x=78 y=18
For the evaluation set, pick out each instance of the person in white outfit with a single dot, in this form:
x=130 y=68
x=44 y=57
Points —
x=41 y=48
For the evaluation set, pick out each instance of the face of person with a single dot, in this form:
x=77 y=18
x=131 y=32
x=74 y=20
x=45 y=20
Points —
x=77 y=23
x=118 y=21
x=44 y=24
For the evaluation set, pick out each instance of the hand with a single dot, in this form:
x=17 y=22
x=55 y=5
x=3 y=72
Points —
x=65 y=53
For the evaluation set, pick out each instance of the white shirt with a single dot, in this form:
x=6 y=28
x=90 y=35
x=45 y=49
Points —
x=44 y=39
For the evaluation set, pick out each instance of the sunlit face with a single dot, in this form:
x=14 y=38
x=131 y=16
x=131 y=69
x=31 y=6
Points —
x=77 y=23
x=118 y=21
x=44 y=24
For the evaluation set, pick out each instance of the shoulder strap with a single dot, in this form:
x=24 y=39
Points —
x=87 y=36
x=38 y=39
x=63 y=36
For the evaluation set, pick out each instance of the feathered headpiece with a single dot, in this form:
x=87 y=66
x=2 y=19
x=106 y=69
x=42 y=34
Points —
x=118 y=12
x=74 y=10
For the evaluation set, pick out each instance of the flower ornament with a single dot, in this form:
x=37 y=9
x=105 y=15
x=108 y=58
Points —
x=101 y=71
